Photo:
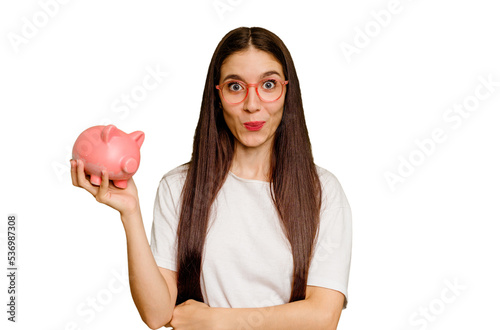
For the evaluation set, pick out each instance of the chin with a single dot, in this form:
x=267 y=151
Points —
x=253 y=143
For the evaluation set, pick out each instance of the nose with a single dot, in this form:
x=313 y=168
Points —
x=252 y=102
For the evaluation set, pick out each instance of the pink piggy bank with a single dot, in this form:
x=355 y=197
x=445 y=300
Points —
x=107 y=147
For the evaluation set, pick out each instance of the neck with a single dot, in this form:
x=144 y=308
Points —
x=252 y=163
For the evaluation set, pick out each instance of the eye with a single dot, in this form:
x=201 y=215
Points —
x=269 y=84
x=235 y=86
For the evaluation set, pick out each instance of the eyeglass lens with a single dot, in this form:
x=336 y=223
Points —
x=268 y=90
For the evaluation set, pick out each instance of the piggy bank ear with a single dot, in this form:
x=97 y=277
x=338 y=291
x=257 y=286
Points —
x=108 y=132
x=138 y=137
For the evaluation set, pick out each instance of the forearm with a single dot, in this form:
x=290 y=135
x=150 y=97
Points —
x=148 y=287
x=303 y=314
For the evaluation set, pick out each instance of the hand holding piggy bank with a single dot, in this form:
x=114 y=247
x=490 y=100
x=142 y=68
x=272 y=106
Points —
x=108 y=148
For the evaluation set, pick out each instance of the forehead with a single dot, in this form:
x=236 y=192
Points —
x=250 y=64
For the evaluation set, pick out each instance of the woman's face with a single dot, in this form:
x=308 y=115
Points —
x=251 y=66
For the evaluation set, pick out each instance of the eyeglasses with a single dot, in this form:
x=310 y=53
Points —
x=236 y=91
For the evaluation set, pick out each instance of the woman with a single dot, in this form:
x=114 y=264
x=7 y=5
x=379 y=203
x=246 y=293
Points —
x=250 y=234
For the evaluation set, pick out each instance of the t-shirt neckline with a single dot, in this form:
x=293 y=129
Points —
x=247 y=180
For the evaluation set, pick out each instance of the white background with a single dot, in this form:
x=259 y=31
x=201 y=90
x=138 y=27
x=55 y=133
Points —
x=364 y=112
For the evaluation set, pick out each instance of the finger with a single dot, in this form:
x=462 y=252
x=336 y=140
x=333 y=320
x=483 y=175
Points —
x=82 y=180
x=80 y=173
x=104 y=188
x=74 y=179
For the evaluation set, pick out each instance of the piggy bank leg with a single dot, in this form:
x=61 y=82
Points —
x=95 y=180
x=120 y=183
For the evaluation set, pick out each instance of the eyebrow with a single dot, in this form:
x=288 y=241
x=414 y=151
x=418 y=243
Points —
x=266 y=74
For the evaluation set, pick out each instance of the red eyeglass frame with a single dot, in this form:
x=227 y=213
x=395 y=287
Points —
x=247 y=86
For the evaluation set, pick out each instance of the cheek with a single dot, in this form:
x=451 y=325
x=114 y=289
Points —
x=230 y=119
x=277 y=114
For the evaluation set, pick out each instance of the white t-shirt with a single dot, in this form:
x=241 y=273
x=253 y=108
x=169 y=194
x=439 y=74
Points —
x=247 y=259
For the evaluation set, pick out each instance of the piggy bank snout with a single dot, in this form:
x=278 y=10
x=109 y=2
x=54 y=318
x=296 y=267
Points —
x=130 y=165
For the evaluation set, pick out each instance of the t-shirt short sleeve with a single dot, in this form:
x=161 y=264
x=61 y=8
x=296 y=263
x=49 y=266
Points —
x=331 y=260
x=166 y=218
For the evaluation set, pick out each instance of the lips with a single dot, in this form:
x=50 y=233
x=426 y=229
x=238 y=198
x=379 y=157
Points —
x=254 y=125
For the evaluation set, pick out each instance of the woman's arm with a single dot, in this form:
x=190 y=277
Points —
x=321 y=309
x=153 y=289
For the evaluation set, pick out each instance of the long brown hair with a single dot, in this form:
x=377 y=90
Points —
x=294 y=184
